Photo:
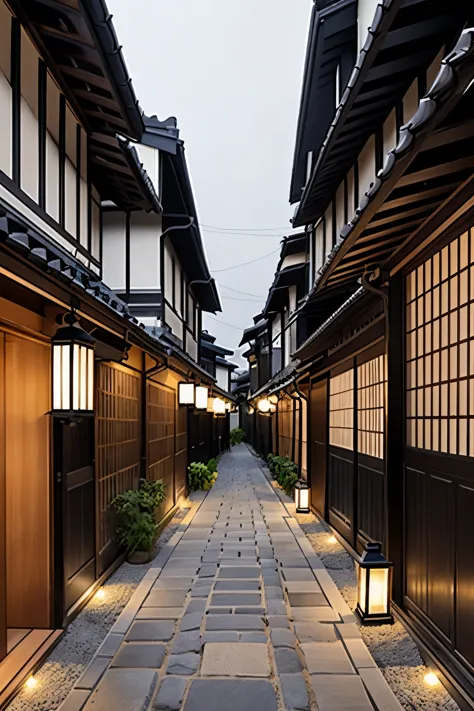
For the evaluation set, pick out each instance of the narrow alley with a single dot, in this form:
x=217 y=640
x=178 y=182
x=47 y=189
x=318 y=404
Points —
x=238 y=613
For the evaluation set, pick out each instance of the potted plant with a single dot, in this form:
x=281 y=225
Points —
x=136 y=519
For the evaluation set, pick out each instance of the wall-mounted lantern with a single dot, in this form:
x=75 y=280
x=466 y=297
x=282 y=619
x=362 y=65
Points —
x=302 y=497
x=250 y=410
x=218 y=407
x=201 y=396
x=73 y=371
x=374 y=587
x=273 y=399
x=186 y=393
x=264 y=406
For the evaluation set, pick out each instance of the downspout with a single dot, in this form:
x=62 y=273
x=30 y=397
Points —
x=381 y=293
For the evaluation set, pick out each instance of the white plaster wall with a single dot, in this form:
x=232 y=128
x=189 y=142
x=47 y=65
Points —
x=174 y=322
x=340 y=209
x=351 y=206
x=276 y=331
x=145 y=231
x=410 y=102
x=390 y=133
x=319 y=247
x=293 y=259
x=365 y=15
x=113 y=236
x=5 y=123
x=150 y=158
x=222 y=376
x=328 y=221
x=191 y=347
x=367 y=166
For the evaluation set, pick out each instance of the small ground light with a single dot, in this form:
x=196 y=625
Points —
x=100 y=594
x=31 y=682
x=332 y=539
x=431 y=679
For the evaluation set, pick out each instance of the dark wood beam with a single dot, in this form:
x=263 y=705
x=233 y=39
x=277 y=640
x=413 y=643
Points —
x=420 y=176
x=414 y=197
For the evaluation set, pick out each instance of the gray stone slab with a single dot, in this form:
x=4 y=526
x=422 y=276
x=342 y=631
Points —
x=235 y=659
x=379 y=690
x=140 y=656
x=283 y=638
x=191 y=621
x=278 y=621
x=230 y=695
x=170 y=694
x=220 y=610
x=151 y=631
x=93 y=673
x=308 y=631
x=186 y=642
x=159 y=613
x=165 y=598
x=307 y=599
x=123 y=690
x=273 y=592
x=234 y=622
x=183 y=664
x=203 y=591
x=229 y=636
x=271 y=578
x=236 y=585
x=315 y=614
x=196 y=605
x=75 y=700
x=276 y=607
x=110 y=645
x=287 y=661
x=295 y=693
x=298 y=574
x=302 y=586
x=253 y=637
x=233 y=599
x=249 y=611
x=239 y=572
x=338 y=692
x=207 y=571
x=173 y=583
x=327 y=658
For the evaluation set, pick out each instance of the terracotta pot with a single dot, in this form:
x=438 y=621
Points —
x=139 y=557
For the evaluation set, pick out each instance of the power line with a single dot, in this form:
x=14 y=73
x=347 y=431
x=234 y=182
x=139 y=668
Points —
x=242 y=234
x=237 y=291
x=237 y=328
x=246 y=229
x=244 y=264
x=234 y=298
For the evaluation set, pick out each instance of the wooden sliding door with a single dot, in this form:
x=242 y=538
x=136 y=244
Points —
x=161 y=409
x=318 y=405
x=3 y=527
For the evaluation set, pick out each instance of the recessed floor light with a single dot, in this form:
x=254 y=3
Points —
x=332 y=539
x=31 y=682
x=100 y=594
x=431 y=679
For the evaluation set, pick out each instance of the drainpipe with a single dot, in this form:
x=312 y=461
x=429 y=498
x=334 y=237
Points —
x=382 y=293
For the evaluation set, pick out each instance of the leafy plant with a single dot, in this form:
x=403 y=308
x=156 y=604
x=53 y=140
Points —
x=236 y=436
x=212 y=465
x=200 y=476
x=135 y=509
x=285 y=472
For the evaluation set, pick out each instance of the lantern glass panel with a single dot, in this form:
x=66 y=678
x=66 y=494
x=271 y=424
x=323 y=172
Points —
x=362 y=589
x=186 y=393
x=83 y=370
x=75 y=377
x=90 y=379
x=303 y=498
x=378 y=591
x=264 y=406
x=201 y=397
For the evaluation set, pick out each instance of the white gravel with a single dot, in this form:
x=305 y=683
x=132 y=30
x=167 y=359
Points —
x=84 y=635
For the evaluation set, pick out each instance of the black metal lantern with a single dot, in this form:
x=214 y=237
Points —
x=73 y=371
x=302 y=497
x=374 y=587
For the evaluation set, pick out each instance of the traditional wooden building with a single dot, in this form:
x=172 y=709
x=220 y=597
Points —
x=383 y=177
x=80 y=167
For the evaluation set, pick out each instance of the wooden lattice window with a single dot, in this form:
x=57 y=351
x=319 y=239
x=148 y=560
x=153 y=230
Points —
x=285 y=427
x=118 y=440
x=341 y=410
x=440 y=351
x=161 y=406
x=370 y=407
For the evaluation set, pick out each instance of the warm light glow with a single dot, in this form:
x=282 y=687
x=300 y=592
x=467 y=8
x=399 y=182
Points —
x=75 y=377
x=228 y=406
x=90 y=379
x=83 y=371
x=100 y=594
x=332 y=539
x=273 y=399
x=218 y=406
x=186 y=393
x=378 y=591
x=264 y=405
x=251 y=410
x=31 y=683
x=303 y=499
x=362 y=588
x=431 y=679
x=201 y=394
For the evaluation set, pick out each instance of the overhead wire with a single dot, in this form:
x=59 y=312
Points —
x=244 y=264
x=237 y=328
x=237 y=291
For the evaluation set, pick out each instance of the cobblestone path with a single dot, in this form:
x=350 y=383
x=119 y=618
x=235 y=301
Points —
x=237 y=614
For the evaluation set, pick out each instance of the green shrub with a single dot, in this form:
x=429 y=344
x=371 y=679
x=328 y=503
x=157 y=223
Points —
x=135 y=509
x=285 y=472
x=212 y=465
x=237 y=435
x=200 y=476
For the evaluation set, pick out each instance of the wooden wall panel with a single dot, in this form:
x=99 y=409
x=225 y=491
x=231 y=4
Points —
x=27 y=436
x=465 y=572
x=118 y=448
x=161 y=407
x=181 y=452
x=285 y=427
x=3 y=567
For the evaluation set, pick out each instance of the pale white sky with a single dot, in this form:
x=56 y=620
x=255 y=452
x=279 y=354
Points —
x=231 y=72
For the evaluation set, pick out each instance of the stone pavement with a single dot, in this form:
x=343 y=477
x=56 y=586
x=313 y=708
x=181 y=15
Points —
x=238 y=613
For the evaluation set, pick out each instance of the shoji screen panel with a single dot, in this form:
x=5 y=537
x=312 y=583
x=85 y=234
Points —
x=370 y=404
x=341 y=410
x=117 y=446
x=440 y=350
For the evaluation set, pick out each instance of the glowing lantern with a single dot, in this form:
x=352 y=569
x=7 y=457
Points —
x=375 y=579
x=302 y=497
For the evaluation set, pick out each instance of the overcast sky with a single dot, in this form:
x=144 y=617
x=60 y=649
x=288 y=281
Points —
x=231 y=72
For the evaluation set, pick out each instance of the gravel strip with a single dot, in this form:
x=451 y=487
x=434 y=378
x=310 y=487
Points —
x=85 y=634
